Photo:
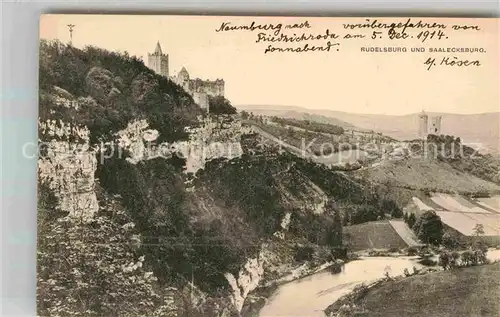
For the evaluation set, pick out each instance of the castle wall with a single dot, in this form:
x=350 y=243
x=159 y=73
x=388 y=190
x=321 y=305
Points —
x=212 y=88
x=201 y=99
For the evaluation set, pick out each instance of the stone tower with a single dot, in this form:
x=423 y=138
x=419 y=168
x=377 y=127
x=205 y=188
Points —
x=423 y=120
x=158 y=61
x=435 y=125
x=183 y=80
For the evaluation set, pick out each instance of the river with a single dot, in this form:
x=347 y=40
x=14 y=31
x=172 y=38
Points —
x=309 y=296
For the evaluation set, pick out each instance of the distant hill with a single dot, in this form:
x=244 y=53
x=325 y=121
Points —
x=474 y=128
x=294 y=113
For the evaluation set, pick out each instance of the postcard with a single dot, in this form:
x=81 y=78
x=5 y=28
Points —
x=223 y=166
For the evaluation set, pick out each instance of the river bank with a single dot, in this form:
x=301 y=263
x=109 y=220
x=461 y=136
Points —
x=464 y=291
x=309 y=296
x=351 y=303
x=259 y=297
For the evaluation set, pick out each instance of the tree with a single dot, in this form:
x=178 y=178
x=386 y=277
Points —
x=365 y=213
x=468 y=258
x=454 y=259
x=429 y=228
x=445 y=259
x=244 y=115
x=390 y=207
x=449 y=241
x=478 y=230
x=220 y=105
x=411 y=220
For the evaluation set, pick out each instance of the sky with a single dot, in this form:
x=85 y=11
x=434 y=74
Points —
x=346 y=80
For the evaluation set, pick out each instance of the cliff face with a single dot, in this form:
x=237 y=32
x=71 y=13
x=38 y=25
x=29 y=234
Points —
x=206 y=142
x=67 y=165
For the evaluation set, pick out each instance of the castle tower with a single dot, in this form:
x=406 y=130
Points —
x=183 y=80
x=423 y=120
x=436 y=125
x=158 y=61
x=220 y=87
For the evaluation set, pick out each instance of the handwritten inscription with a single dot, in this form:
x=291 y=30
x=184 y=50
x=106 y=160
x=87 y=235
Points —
x=451 y=61
x=303 y=37
x=276 y=28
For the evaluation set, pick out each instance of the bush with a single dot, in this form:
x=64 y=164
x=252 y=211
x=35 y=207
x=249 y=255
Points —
x=303 y=253
x=393 y=250
x=429 y=228
x=220 y=105
x=412 y=251
x=450 y=241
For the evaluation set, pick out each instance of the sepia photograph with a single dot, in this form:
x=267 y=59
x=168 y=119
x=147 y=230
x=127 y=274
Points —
x=253 y=166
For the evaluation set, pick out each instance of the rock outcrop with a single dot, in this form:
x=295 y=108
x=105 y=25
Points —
x=67 y=164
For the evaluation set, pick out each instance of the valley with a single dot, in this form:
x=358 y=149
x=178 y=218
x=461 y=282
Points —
x=195 y=213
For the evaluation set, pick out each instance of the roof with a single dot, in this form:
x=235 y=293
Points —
x=158 y=48
x=184 y=71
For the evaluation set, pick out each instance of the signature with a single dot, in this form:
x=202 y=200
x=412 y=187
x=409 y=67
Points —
x=451 y=61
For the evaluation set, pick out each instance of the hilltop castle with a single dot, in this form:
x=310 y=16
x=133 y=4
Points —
x=199 y=89
x=425 y=128
x=158 y=61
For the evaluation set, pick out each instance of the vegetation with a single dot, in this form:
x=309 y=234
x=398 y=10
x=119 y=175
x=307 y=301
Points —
x=410 y=219
x=450 y=242
x=220 y=105
x=469 y=291
x=94 y=268
x=312 y=142
x=158 y=227
x=310 y=125
x=474 y=256
x=464 y=158
x=108 y=90
x=335 y=231
x=429 y=228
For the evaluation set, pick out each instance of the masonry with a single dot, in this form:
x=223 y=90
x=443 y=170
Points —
x=198 y=88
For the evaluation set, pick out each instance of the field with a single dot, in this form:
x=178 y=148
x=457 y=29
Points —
x=493 y=203
x=462 y=213
x=404 y=232
x=379 y=235
x=470 y=292
x=456 y=203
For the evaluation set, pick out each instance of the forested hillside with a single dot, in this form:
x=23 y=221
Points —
x=128 y=235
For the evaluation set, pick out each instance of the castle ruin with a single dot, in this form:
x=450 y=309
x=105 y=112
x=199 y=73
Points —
x=199 y=89
x=427 y=127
